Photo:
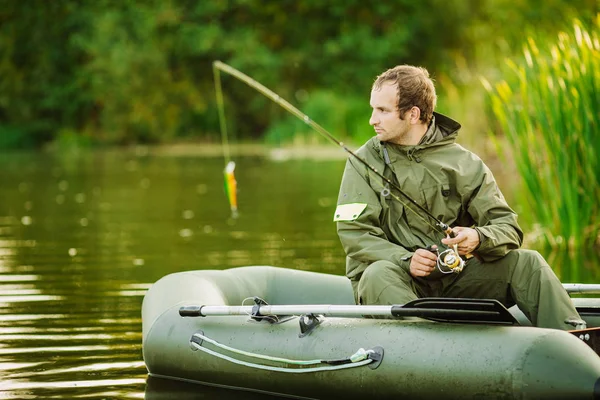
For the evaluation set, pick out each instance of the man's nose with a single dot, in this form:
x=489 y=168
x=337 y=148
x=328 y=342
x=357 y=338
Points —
x=373 y=120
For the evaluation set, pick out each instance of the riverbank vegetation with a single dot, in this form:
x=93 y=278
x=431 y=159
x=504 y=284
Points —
x=103 y=73
x=549 y=109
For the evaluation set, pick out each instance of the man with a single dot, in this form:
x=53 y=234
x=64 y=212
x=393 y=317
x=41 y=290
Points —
x=385 y=237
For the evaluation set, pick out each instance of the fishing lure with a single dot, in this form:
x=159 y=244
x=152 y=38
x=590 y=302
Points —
x=231 y=188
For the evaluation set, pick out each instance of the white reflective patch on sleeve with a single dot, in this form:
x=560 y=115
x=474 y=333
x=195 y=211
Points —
x=348 y=212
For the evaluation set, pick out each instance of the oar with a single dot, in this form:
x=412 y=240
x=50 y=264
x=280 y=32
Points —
x=439 y=309
x=582 y=288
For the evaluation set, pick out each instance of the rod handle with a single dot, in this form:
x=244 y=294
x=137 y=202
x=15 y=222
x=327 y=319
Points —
x=191 y=311
x=451 y=234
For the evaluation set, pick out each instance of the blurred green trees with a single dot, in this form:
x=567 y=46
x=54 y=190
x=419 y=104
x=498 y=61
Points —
x=117 y=72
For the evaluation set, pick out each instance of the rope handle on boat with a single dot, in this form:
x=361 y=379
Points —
x=371 y=357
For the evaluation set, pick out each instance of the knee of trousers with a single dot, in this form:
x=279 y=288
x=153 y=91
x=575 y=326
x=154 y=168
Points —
x=381 y=274
x=526 y=262
x=530 y=259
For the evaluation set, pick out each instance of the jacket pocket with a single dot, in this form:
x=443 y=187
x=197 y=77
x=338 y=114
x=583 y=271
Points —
x=443 y=202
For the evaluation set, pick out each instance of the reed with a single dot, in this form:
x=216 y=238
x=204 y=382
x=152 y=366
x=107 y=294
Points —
x=548 y=109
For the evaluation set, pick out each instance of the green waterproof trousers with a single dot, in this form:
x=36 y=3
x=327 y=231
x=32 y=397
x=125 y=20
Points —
x=521 y=277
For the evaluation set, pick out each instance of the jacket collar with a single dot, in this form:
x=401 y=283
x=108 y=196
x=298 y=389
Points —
x=439 y=129
x=442 y=129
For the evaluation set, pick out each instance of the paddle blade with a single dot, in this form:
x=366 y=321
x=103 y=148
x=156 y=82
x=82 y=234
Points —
x=476 y=311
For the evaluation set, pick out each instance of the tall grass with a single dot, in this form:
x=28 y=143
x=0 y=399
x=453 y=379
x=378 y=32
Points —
x=549 y=109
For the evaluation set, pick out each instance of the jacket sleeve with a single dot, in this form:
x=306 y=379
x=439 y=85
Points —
x=363 y=239
x=496 y=222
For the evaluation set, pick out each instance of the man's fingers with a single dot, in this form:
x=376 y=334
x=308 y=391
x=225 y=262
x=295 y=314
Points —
x=431 y=248
x=449 y=241
x=457 y=239
x=425 y=265
x=425 y=254
x=425 y=261
x=421 y=269
x=421 y=272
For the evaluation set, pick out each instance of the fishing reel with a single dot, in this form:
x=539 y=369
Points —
x=448 y=261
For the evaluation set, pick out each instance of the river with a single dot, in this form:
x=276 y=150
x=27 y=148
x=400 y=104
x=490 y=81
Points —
x=83 y=235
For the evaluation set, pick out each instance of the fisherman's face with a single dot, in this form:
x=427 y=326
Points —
x=385 y=117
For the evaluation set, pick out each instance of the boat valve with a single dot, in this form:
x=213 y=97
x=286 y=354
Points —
x=308 y=322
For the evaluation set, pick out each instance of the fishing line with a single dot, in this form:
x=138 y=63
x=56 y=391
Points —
x=228 y=173
x=221 y=109
x=439 y=225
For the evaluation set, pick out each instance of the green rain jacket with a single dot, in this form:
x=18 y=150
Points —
x=446 y=179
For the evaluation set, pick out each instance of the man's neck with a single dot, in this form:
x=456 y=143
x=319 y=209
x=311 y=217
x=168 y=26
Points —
x=414 y=135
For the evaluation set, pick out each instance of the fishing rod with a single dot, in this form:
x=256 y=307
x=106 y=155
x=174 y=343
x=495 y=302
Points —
x=451 y=259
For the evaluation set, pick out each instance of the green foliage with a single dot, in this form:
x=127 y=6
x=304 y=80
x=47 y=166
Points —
x=133 y=75
x=129 y=71
x=69 y=141
x=13 y=137
x=548 y=108
x=37 y=90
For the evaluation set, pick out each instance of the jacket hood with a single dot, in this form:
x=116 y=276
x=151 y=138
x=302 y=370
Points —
x=441 y=129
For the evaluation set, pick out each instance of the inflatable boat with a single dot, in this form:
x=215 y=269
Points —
x=298 y=334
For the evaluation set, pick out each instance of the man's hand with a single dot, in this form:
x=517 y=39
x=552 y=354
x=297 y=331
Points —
x=422 y=262
x=466 y=238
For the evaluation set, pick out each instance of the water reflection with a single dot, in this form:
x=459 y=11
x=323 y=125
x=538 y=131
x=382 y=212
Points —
x=163 y=389
x=577 y=266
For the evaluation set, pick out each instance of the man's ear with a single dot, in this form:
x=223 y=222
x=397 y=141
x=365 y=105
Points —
x=415 y=115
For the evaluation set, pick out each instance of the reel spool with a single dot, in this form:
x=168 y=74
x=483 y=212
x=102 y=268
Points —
x=449 y=261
